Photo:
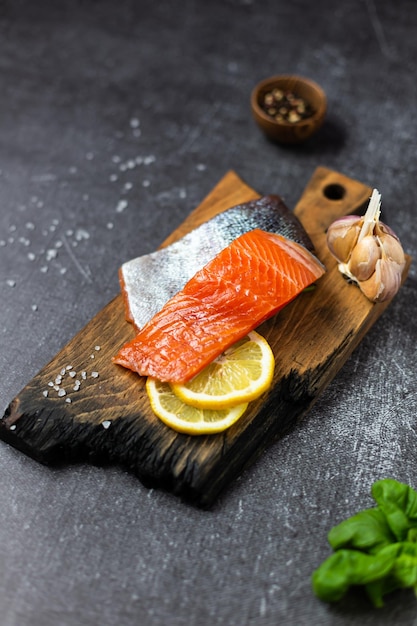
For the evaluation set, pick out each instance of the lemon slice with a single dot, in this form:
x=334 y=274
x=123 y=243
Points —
x=241 y=374
x=185 y=418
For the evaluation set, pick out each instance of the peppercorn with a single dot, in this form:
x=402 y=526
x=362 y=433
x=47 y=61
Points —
x=285 y=106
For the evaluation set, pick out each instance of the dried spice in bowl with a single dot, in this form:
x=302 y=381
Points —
x=285 y=106
x=288 y=108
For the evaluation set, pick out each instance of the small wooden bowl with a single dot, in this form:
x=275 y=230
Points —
x=286 y=131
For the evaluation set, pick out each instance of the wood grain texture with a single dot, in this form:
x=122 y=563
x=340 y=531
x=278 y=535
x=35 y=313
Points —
x=106 y=418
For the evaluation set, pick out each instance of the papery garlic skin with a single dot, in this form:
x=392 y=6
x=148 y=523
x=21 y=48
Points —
x=384 y=282
x=342 y=235
x=364 y=257
x=368 y=251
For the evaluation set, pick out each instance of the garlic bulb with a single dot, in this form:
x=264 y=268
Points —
x=368 y=251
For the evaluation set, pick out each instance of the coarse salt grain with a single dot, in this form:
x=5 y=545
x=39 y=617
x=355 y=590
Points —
x=97 y=348
x=121 y=206
x=51 y=254
x=62 y=393
x=106 y=424
x=13 y=427
x=94 y=374
x=68 y=400
x=45 y=393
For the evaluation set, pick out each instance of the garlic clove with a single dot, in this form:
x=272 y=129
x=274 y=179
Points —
x=342 y=235
x=384 y=282
x=363 y=259
x=391 y=248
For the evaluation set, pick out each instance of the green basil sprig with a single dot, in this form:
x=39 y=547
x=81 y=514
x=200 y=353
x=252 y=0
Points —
x=376 y=548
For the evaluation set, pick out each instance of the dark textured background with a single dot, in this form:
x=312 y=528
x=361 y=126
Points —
x=116 y=119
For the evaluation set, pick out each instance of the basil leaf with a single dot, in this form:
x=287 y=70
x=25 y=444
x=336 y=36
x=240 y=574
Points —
x=347 y=568
x=367 y=530
x=399 y=505
x=402 y=575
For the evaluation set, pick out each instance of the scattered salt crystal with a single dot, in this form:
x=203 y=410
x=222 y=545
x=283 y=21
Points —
x=50 y=384
x=116 y=159
x=34 y=307
x=30 y=225
x=110 y=225
x=94 y=374
x=11 y=282
x=45 y=393
x=97 y=348
x=51 y=254
x=12 y=228
x=201 y=167
x=44 y=269
x=62 y=393
x=62 y=372
x=127 y=186
x=69 y=232
x=69 y=367
x=183 y=193
x=3 y=243
x=58 y=244
x=13 y=427
x=56 y=387
x=11 y=240
x=149 y=159
x=139 y=160
x=146 y=183
x=106 y=424
x=68 y=400
x=113 y=178
x=58 y=380
x=73 y=374
x=81 y=234
x=122 y=204
x=134 y=122
x=83 y=375
x=31 y=256
x=130 y=164
x=63 y=270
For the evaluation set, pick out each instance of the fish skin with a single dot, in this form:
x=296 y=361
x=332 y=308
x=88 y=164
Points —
x=246 y=283
x=149 y=281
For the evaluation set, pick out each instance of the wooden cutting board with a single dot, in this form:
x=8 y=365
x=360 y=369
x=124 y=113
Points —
x=99 y=412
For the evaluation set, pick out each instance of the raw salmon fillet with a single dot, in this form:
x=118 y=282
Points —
x=246 y=283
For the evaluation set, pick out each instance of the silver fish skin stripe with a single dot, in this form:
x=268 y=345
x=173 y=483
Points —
x=152 y=279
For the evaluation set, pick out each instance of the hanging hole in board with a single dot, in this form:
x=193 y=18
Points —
x=334 y=191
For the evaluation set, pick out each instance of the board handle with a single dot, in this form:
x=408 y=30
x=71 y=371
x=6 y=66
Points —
x=328 y=196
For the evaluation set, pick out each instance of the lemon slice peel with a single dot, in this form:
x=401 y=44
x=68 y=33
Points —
x=240 y=375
